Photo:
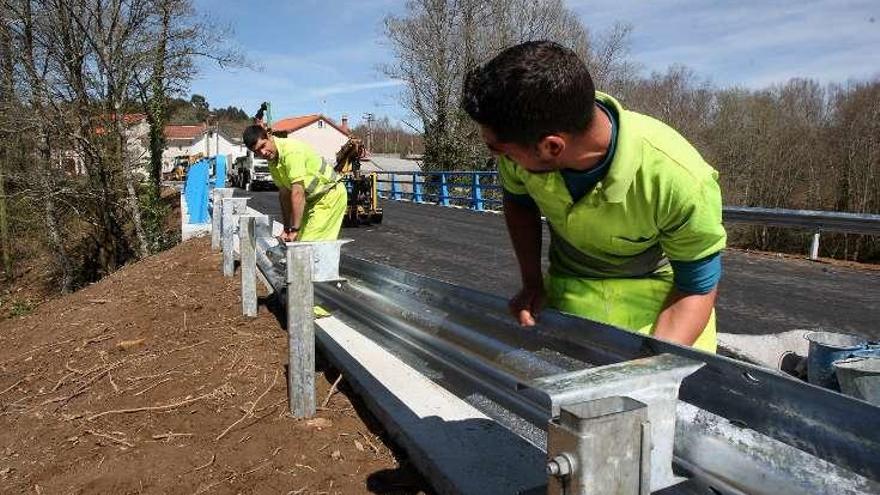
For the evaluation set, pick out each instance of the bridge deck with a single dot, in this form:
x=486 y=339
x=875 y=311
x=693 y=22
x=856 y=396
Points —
x=759 y=294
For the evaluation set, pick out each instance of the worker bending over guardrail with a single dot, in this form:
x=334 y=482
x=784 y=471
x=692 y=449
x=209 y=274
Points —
x=633 y=209
x=313 y=200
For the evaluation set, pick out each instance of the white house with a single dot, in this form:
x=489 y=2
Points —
x=137 y=135
x=324 y=135
x=189 y=140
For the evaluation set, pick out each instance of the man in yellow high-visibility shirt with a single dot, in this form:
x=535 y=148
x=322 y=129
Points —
x=313 y=200
x=634 y=211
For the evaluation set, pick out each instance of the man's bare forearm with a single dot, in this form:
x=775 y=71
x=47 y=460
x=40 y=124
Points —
x=684 y=316
x=297 y=203
x=524 y=227
x=284 y=199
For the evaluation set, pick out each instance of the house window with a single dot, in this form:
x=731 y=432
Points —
x=320 y=124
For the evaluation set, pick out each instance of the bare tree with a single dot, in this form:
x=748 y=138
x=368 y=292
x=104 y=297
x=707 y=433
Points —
x=676 y=97
x=855 y=139
x=438 y=41
x=82 y=67
x=609 y=60
x=6 y=102
x=180 y=37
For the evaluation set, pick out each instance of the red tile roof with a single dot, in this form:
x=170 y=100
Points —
x=291 y=124
x=128 y=119
x=184 y=131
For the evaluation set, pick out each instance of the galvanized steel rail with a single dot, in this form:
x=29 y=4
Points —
x=785 y=432
x=740 y=428
x=825 y=221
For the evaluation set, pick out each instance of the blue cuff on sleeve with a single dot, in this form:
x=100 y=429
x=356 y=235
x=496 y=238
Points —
x=697 y=277
x=520 y=199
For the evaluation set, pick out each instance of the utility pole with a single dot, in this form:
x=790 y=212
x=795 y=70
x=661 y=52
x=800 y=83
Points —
x=210 y=124
x=369 y=118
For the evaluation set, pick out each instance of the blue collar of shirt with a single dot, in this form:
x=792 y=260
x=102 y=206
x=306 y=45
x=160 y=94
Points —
x=580 y=182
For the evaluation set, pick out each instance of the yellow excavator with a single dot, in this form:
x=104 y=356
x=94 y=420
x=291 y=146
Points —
x=363 y=196
x=363 y=192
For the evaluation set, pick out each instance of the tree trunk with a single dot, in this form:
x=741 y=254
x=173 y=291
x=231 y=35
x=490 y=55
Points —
x=53 y=229
x=5 y=245
x=134 y=206
x=157 y=104
x=6 y=98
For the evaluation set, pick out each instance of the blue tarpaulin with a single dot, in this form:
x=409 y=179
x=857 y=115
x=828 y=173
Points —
x=219 y=170
x=196 y=191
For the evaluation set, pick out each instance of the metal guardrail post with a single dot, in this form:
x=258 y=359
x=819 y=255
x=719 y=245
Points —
x=476 y=193
x=217 y=215
x=814 y=248
x=300 y=331
x=395 y=195
x=248 y=249
x=230 y=207
x=444 y=190
x=417 y=188
x=262 y=226
x=600 y=447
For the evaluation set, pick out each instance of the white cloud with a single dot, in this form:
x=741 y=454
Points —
x=748 y=41
x=354 y=87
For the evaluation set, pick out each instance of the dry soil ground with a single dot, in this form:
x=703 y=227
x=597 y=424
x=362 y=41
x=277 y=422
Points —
x=150 y=381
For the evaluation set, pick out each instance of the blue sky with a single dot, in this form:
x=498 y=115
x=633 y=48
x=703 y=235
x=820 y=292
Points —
x=324 y=56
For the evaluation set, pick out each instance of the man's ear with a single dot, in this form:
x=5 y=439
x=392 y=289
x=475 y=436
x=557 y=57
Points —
x=551 y=147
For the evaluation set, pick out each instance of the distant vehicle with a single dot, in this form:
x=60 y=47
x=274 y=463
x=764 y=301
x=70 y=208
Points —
x=250 y=173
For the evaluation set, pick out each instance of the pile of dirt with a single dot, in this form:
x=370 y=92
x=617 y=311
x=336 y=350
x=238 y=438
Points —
x=150 y=381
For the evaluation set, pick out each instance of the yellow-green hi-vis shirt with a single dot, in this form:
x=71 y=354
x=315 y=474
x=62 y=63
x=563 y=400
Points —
x=298 y=162
x=610 y=250
x=326 y=196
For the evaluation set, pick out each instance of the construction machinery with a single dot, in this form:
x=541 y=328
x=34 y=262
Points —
x=180 y=166
x=363 y=197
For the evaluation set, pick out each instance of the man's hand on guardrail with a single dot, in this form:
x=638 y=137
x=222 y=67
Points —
x=526 y=305
x=288 y=236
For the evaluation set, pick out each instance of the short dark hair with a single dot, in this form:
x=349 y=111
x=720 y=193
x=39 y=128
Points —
x=252 y=134
x=529 y=91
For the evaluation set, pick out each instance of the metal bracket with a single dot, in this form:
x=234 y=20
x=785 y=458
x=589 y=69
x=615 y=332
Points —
x=653 y=381
x=600 y=447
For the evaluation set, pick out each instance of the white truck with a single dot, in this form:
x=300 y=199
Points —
x=250 y=173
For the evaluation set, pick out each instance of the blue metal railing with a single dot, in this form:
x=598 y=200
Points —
x=475 y=190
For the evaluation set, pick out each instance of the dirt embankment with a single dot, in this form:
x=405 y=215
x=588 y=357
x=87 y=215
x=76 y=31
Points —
x=150 y=381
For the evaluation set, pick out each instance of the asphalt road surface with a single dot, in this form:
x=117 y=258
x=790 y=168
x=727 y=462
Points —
x=759 y=293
